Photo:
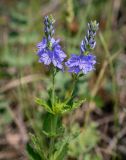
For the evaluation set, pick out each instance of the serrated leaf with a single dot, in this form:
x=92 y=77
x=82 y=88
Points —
x=77 y=104
x=43 y=104
x=37 y=146
x=61 y=153
x=72 y=106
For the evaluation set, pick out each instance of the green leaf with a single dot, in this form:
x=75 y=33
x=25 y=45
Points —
x=77 y=104
x=72 y=106
x=62 y=146
x=32 y=153
x=81 y=75
x=61 y=152
x=36 y=144
x=85 y=142
x=43 y=104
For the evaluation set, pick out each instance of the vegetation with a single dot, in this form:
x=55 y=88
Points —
x=98 y=124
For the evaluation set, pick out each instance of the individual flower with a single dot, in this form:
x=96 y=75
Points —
x=85 y=61
x=49 y=50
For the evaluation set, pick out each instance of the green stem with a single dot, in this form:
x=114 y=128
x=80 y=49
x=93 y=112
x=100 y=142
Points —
x=73 y=88
x=52 y=140
x=54 y=122
x=53 y=87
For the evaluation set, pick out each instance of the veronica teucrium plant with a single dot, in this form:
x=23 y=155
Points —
x=50 y=53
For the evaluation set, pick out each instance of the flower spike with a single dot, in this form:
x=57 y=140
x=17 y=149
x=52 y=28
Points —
x=49 y=50
x=85 y=61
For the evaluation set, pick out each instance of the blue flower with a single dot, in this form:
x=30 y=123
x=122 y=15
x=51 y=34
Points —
x=51 y=54
x=84 y=63
x=49 y=50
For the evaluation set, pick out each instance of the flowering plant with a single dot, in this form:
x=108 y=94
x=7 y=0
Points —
x=50 y=53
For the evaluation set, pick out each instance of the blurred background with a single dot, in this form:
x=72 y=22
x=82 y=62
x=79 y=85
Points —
x=22 y=78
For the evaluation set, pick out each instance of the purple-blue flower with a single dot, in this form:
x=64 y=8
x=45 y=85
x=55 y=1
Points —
x=51 y=54
x=85 y=61
x=78 y=63
x=49 y=50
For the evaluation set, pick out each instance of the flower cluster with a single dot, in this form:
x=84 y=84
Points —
x=49 y=50
x=78 y=63
x=85 y=61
